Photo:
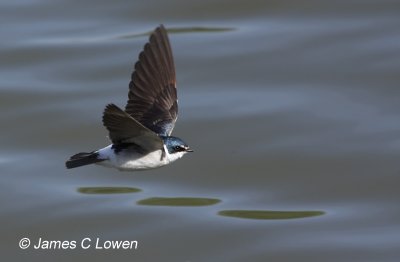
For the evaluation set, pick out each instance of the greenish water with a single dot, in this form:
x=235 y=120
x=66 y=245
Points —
x=292 y=109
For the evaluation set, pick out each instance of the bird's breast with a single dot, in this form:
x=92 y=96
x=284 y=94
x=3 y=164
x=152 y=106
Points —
x=131 y=161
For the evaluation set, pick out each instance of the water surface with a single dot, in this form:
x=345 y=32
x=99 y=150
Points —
x=292 y=108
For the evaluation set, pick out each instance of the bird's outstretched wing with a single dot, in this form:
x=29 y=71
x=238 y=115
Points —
x=152 y=90
x=123 y=128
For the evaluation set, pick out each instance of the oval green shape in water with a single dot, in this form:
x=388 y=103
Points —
x=108 y=190
x=184 y=30
x=268 y=214
x=178 y=201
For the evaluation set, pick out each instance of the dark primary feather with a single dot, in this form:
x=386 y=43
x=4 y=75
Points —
x=152 y=90
x=123 y=128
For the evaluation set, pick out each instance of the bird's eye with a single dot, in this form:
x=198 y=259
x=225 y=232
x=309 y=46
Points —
x=178 y=148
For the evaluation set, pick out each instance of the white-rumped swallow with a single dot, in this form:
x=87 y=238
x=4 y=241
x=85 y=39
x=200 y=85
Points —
x=141 y=134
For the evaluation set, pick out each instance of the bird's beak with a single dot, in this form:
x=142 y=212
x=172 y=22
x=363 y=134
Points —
x=189 y=150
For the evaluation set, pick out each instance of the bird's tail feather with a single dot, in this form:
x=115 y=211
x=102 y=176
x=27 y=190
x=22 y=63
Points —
x=82 y=159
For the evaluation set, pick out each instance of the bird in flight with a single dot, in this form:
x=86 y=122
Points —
x=141 y=134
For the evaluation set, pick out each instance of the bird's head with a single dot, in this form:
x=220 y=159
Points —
x=176 y=146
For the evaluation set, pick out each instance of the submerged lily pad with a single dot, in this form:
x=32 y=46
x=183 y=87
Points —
x=178 y=201
x=195 y=29
x=199 y=29
x=268 y=214
x=108 y=190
